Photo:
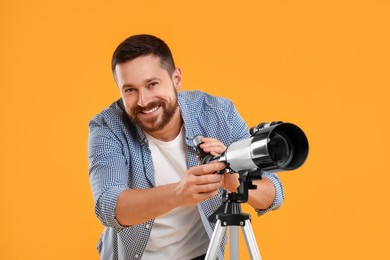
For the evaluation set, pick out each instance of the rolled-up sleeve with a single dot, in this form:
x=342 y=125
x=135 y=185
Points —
x=279 y=194
x=108 y=172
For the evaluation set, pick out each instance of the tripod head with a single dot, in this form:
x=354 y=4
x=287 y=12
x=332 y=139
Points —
x=231 y=201
x=246 y=178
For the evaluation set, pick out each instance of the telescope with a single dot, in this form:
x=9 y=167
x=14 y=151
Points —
x=272 y=147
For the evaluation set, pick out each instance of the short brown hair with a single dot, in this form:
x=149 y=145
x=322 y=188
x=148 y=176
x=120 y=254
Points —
x=142 y=45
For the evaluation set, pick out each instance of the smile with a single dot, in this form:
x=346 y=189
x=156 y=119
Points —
x=150 y=110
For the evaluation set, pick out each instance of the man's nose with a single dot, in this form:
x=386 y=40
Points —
x=143 y=98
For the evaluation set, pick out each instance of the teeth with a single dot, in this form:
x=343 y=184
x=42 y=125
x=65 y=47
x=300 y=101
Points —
x=150 y=111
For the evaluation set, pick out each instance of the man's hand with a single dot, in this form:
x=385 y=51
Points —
x=216 y=148
x=135 y=206
x=199 y=184
x=212 y=146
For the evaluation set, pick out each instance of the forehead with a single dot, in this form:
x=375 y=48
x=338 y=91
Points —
x=140 y=69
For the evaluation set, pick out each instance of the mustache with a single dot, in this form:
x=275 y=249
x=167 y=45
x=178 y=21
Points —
x=151 y=105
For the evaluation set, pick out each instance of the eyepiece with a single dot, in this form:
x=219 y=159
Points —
x=203 y=157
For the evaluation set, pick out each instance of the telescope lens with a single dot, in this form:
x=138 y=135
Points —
x=280 y=149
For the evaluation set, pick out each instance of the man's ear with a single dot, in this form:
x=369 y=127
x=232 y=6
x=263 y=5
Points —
x=177 y=78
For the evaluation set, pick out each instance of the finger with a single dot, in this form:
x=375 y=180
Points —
x=213 y=147
x=216 y=153
x=209 y=179
x=207 y=168
x=206 y=188
x=211 y=141
x=208 y=139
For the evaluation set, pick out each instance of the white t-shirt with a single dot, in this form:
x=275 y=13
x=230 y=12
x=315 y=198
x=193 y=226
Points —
x=178 y=234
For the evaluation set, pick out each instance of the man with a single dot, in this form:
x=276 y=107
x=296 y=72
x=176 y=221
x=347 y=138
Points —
x=149 y=189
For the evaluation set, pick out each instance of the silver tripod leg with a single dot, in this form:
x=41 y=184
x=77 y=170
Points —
x=217 y=237
x=215 y=241
x=251 y=241
x=234 y=242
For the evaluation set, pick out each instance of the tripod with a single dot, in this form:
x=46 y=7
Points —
x=230 y=217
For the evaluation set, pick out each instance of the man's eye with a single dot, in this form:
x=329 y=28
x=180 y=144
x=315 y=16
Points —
x=129 y=90
x=152 y=84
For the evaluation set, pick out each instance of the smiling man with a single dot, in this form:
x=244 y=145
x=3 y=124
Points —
x=150 y=192
x=149 y=95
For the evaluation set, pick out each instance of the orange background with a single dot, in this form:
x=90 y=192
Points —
x=323 y=65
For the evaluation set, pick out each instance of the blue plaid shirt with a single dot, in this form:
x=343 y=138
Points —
x=119 y=159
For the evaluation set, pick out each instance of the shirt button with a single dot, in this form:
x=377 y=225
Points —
x=147 y=226
x=136 y=256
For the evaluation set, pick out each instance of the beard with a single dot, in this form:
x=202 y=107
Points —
x=156 y=123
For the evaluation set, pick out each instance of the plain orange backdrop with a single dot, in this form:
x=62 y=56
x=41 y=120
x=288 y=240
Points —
x=323 y=65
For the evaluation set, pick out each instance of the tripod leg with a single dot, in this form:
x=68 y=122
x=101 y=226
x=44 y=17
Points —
x=215 y=241
x=234 y=242
x=251 y=241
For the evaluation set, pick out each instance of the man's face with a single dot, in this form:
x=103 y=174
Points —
x=149 y=92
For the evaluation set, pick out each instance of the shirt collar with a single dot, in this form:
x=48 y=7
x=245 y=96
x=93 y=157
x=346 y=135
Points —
x=187 y=119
